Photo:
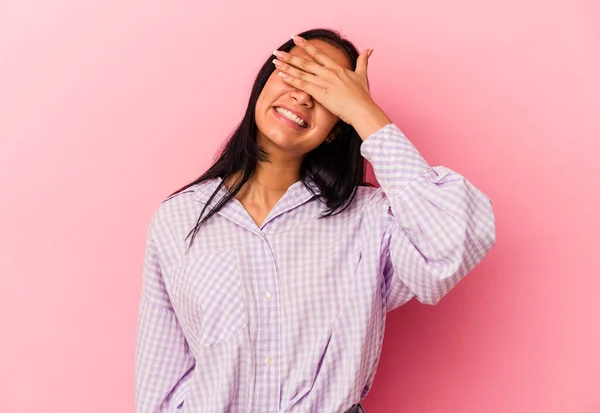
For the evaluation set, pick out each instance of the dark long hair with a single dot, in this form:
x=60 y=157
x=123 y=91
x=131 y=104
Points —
x=337 y=168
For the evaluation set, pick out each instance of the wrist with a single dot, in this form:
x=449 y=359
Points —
x=368 y=120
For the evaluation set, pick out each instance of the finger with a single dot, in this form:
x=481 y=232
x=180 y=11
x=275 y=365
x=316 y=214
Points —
x=362 y=62
x=305 y=65
x=302 y=84
x=299 y=74
x=316 y=53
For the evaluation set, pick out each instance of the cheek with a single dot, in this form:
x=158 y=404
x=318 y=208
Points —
x=273 y=86
x=325 y=119
x=325 y=115
x=264 y=100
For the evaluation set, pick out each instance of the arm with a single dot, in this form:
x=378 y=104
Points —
x=163 y=363
x=439 y=225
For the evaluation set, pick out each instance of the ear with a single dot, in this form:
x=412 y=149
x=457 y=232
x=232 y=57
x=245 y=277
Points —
x=337 y=128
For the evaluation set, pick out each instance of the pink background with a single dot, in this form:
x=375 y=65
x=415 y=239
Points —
x=106 y=107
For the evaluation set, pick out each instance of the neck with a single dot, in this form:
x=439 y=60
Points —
x=268 y=184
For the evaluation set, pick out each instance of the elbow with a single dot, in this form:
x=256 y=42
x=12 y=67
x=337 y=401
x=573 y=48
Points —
x=429 y=300
x=438 y=285
x=487 y=231
x=443 y=275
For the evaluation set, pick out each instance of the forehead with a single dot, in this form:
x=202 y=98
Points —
x=330 y=50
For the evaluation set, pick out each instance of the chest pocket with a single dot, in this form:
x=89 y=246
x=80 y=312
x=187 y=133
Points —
x=209 y=291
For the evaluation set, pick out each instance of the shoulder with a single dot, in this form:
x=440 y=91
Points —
x=367 y=196
x=373 y=206
x=178 y=212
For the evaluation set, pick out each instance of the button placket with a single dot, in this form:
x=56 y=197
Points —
x=267 y=338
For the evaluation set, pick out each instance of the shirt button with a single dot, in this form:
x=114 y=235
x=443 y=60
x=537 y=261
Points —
x=268 y=360
x=268 y=295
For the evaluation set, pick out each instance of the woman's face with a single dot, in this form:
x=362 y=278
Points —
x=278 y=134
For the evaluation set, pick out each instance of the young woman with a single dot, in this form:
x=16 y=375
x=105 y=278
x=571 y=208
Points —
x=267 y=280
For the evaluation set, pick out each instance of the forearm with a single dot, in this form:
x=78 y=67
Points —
x=369 y=119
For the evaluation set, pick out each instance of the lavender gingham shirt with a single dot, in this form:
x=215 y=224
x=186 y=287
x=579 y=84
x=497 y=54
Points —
x=289 y=317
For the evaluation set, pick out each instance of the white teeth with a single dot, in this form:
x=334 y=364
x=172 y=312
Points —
x=291 y=116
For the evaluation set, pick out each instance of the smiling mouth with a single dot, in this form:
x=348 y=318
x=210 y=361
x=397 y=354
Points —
x=291 y=117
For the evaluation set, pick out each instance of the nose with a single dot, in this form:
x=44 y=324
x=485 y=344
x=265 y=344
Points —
x=302 y=97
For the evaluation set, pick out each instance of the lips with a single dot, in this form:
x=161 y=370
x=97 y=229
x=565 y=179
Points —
x=295 y=112
x=287 y=121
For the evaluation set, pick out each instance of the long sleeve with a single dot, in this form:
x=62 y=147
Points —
x=439 y=226
x=163 y=363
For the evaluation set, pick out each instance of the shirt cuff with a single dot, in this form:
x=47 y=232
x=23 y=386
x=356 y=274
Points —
x=395 y=160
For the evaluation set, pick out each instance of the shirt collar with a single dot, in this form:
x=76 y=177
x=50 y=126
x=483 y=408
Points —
x=296 y=192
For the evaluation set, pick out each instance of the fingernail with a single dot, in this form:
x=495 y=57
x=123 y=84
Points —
x=370 y=51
